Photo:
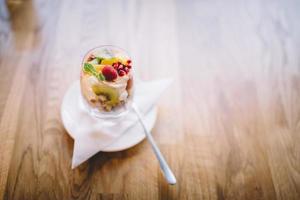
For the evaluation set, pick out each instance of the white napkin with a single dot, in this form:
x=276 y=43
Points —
x=89 y=141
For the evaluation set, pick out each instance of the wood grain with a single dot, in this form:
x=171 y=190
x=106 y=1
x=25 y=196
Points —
x=229 y=126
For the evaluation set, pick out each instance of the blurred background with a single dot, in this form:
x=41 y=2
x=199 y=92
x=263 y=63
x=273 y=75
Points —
x=229 y=125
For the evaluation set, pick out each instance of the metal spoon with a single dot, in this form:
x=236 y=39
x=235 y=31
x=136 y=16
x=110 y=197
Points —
x=162 y=162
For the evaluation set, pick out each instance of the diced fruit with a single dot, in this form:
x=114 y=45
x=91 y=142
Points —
x=120 y=67
x=109 y=73
x=122 y=72
x=91 y=57
x=99 y=60
x=115 y=65
x=110 y=61
x=99 y=67
x=110 y=94
x=126 y=69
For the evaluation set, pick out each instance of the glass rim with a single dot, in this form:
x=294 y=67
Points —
x=102 y=46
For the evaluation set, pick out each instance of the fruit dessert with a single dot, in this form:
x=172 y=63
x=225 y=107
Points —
x=107 y=79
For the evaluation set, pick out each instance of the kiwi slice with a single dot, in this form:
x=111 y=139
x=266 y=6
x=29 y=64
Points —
x=110 y=93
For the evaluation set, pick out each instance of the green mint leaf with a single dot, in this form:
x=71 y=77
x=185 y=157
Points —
x=101 y=77
x=91 y=69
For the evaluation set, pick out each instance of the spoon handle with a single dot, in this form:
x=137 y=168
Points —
x=162 y=162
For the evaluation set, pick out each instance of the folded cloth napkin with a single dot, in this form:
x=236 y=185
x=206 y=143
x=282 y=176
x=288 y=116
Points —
x=102 y=133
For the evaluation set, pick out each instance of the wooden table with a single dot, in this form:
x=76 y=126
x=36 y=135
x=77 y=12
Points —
x=229 y=126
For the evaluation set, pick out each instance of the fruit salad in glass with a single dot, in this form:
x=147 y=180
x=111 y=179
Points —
x=107 y=80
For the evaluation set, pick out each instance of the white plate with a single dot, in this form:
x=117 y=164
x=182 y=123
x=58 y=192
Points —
x=131 y=137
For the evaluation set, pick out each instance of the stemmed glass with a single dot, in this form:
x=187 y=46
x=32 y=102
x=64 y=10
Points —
x=107 y=81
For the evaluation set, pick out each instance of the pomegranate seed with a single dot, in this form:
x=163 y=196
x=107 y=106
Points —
x=129 y=66
x=128 y=61
x=120 y=67
x=122 y=73
x=126 y=70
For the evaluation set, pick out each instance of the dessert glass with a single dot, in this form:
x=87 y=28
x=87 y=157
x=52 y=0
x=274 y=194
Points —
x=106 y=81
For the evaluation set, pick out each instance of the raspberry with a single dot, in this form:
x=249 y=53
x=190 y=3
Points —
x=109 y=73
